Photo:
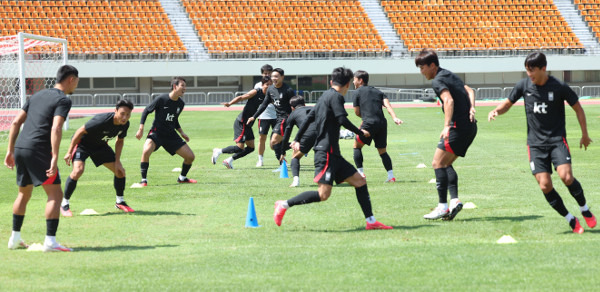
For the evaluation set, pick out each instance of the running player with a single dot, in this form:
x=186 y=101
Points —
x=460 y=129
x=242 y=133
x=279 y=94
x=35 y=153
x=91 y=140
x=368 y=104
x=266 y=120
x=329 y=114
x=545 y=98
x=164 y=130
x=297 y=118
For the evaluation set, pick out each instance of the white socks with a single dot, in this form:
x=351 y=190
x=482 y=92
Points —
x=569 y=217
x=390 y=174
x=50 y=240
x=584 y=208
x=181 y=177
x=371 y=219
x=64 y=202
x=260 y=158
x=361 y=170
x=443 y=206
x=120 y=199
x=285 y=205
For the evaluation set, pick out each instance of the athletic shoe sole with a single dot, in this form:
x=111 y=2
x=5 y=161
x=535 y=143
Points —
x=66 y=213
x=124 y=208
x=453 y=212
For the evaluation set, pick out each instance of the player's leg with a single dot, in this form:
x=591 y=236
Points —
x=149 y=147
x=553 y=198
x=565 y=171
x=295 y=164
x=276 y=144
x=247 y=149
x=188 y=158
x=441 y=160
x=119 y=182
x=387 y=164
x=55 y=194
x=70 y=185
x=262 y=140
x=19 y=208
x=358 y=156
x=239 y=128
x=323 y=193
x=364 y=200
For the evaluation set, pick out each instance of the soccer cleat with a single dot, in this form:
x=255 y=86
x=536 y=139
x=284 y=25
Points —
x=591 y=221
x=123 y=206
x=455 y=207
x=377 y=225
x=259 y=163
x=227 y=164
x=66 y=211
x=576 y=226
x=279 y=212
x=215 y=156
x=55 y=247
x=391 y=180
x=16 y=243
x=294 y=184
x=437 y=213
x=144 y=183
x=187 y=181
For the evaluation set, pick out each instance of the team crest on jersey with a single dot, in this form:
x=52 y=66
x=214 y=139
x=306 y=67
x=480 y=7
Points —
x=550 y=96
x=178 y=109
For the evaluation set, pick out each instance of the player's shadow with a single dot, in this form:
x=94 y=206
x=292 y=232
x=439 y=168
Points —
x=361 y=229
x=502 y=218
x=120 y=247
x=147 y=213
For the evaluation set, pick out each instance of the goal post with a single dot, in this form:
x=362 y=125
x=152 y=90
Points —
x=28 y=63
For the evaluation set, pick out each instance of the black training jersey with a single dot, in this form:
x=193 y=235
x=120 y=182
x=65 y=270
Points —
x=41 y=109
x=370 y=101
x=101 y=129
x=544 y=109
x=329 y=107
x=167 y=112
x=297 y=118
x=252 y=105
x=280 y=97
x=445 y=79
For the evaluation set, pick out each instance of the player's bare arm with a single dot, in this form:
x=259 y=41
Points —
x=390 y=110
x=585 y=138
x=448 y=112
x=500 y=109
x=74 y=141
x=357 y=111
x=471 y=94
x=15 y=127
x=55 y=137
x=250 y=94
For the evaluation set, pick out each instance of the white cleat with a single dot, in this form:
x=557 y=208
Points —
x=227 y=164
x=437 y=213
x=259 y=163
x=16 y=243
x=56 y=247
x=215 y=156
x=295 y=184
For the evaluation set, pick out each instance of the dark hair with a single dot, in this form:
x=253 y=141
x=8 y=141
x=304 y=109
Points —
x=175 y=81
x=363 y=75
x=297 y=100
x=535 y=59
x=266 y=68
x=279 y=70
x=265 y=79
x=125 y=103
x=426 y=57
x=341 y=76
x=65 y=72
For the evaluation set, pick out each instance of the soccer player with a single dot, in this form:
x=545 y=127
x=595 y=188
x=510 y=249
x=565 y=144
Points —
x=460 y=129
x=307 y=141
x=368 y=104
x=266 y=120
x=91 y=140
x=545 y=98
x=164 y=130
x=279 y=94
x=35 y=153
x=329 y=114
x=242 y=133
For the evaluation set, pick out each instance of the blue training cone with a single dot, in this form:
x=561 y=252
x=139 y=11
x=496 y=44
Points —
x=284 y=172
x=251 y=220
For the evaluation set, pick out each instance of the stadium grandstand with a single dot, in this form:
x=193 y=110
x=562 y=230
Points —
x=131 y=48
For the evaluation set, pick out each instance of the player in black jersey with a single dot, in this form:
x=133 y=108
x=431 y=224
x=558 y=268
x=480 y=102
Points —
x=328 y=115
x=368 y=104
x=279 y=94
x=460 y=129
x=297 y=118
x=242 y=132
x=267 y=120
x=164 y=130
x=545 y=98
x=91 y=140
x=35 y=153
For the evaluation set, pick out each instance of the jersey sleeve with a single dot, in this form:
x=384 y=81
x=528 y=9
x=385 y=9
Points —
x=124 y=133
x=63 y=107
x=25 y=107
x=439 y=86
x=150 y=108
x=356 y=99
x=570 y=95
x=517 y=92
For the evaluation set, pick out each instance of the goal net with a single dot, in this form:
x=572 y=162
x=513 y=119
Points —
x=28 y=63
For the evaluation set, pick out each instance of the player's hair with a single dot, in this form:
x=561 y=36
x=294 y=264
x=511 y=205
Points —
x=297 y=100
x=536 y=59
x=279 y=70
x=175 y=81
x=341 y=76
x=266 y=68
x=65 y=72
x=125 y=103
x=426 y=57
x=363 y=75
x=265 y=79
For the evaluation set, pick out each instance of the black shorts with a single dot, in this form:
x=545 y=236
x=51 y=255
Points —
x=332 y=167
x=100 y=155
x=459 y=139
x=378 y=133
x=242 y=132
x=31 y=168
x=279 y=127
x=264 y=125
x=171 y=141
x=540 y=157
x=307 y=142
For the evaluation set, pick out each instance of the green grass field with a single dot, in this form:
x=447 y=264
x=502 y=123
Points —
x=192 y=237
